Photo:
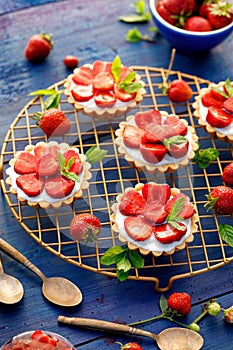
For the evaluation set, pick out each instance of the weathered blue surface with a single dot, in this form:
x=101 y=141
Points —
x=91 y=30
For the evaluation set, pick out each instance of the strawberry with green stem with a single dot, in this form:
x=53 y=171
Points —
x=220 y=200
x=85 y=227
x=220 y=14
x=178 y=90
x=38 y=47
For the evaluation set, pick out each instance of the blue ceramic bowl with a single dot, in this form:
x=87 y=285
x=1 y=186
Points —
x=186 y=41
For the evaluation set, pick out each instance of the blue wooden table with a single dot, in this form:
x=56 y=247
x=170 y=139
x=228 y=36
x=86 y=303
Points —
x=90 y=29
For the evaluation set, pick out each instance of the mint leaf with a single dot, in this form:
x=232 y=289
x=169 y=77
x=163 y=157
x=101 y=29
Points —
x=163 y=303
x=113 y=255
x=134 y=18
x=203 y=158
x=43 y=92
x=94 y=154
x=176 y=208
x=229 y=87
x=50 y=102
x=122 y=275
x=136 y=260
x=139 y=7
x=226 y=233
x=116 y=68
x=124 y=264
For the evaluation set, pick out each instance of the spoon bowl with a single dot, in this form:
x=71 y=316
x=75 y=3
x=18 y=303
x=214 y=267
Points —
x=58 y=290
x=11 y=289
x=175 y=338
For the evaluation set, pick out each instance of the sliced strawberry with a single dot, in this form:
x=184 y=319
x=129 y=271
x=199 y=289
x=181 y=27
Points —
x=123 y=95
x=209 y=100
x=42 y=149
x=77 y=166
x=42 y=337
x=176 y=126
x=124 y=72
x=228 y=104
x=217 y=117
x=167 y=233
x=39 y=151
x=103 y=81
x=153 y=152
x=132 y=136
x=47 y=165
x=104 y=99
x=217 y=95
x=188 y=209
x=83 y=76
x=25 y=163
x=156 y=192
x=143 y=119
x=82 y=93
x=101 y=66
x=30 y=184
x=156 y=133
x=59 y=186
x=154 y=212
x=132 y=203
x=176 y=146
x=137 y=228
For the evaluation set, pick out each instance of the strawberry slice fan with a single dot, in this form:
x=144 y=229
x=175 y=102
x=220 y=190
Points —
x=203 y=249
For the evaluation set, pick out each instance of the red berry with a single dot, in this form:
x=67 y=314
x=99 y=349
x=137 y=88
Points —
x=179 y=91
x=71 y=62
x=227 y=175
x=180 y=302
x=38 y=47
x=131 y=346
x=85 y=227
x=220 y=200
x=54 y=122
x=198 y=24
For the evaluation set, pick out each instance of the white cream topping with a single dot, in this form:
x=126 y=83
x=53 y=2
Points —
x=43 y=196
x=167 y=159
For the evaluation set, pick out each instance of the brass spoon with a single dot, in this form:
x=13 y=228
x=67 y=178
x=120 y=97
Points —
x=58 y=290
x=11 y=289
x=172 y=338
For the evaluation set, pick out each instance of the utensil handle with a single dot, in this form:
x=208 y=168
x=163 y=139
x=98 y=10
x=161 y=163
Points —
x=105 y=326
x=15 y=254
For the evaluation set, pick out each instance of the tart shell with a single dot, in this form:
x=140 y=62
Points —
x=135 y=246
x=206 y=126
x=84 y=184
x=155 y=168
x=104 y=113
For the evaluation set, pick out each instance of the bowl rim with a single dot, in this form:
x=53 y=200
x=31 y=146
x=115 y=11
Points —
x=183 y=31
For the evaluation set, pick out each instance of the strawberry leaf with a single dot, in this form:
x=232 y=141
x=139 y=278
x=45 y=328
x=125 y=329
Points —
x=163 y=303
x=226 y=233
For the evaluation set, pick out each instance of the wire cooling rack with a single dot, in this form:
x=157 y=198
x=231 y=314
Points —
x=50 y=227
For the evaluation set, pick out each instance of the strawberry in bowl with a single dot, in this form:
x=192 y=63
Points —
x=154 y=141
x=154 y=218
x=104 y=90
x=213 y=108
x=48 y=174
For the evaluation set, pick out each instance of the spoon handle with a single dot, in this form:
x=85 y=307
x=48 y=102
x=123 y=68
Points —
x=105 y=326
x=15 y=254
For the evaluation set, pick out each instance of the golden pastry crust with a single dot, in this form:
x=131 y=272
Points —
x=179 y=245
x=56 y=203
x=197 y=105
x=104 y=113
x=155 y=168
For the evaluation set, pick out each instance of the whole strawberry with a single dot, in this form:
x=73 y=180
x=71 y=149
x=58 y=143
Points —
x=85 y=227
x=220 y=200
x=130 y=346
x=179 y=91
x=180 y=7
x=227 y=175
x=180 y=302
x=38 y=47
x=198 y=24
x=220 y=14
x=54 y=122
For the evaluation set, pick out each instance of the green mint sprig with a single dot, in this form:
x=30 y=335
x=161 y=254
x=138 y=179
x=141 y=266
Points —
x=228 y=91
x=128 y=84
x=94 y=154
x=174 y=140
x=65 y=168
x=173 y=217
x=203 y=158
x=124 y=258
x=134 y=36
x=140 y=16
x=53 y=99
x=226 y=233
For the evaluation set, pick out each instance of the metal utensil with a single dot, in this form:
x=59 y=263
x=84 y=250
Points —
x=172 y=338
x=11 y=289
x=58 y=290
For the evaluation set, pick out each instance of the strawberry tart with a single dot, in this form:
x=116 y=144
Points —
x=154 y=141
x=154 y=218
x=104 y=90
x=213 y=108
x=48 y=174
